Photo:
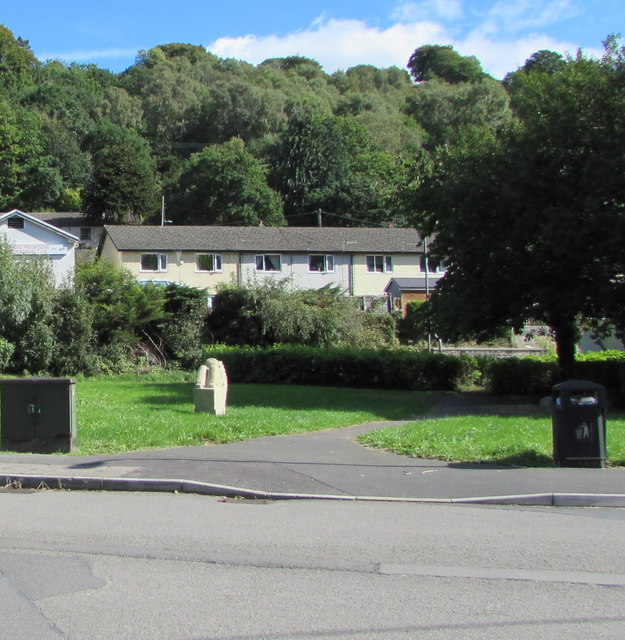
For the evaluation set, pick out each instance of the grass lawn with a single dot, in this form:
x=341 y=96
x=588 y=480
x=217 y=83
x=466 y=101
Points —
x=516 y=440
x=116 y=414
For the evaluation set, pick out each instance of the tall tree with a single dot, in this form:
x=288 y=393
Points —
x=124 y=185
x=17 y=61
x=533 y=224
x=224 y=184
x=21 y=153
x=446 y=111
x=434 y=61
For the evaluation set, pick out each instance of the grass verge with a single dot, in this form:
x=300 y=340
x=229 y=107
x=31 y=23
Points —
x=116 y=414
x=510 y=440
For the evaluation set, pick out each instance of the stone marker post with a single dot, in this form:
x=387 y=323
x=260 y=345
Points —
x=211 y=388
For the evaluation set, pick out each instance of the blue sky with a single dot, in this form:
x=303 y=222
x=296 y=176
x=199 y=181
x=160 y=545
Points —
x=338 y=34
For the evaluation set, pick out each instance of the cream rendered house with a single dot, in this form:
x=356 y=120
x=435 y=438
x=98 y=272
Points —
x=361 y=261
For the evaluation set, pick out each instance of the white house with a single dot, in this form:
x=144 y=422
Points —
x=28 y=236
x=75 y=223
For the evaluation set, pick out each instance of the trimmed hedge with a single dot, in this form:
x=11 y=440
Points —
x=405 y=368
x=538 y=375
x=344 y=367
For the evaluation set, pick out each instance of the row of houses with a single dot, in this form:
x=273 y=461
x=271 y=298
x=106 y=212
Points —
x=361 y=262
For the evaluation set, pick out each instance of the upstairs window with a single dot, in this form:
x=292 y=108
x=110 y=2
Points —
x=156 y=262
x=379 y=264
x=319 y=263
x=435 y=265
x=208 y=262
x=15 y=222
x=268 y=262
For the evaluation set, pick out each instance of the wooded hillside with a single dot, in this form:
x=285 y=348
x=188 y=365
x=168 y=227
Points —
x=227 y=142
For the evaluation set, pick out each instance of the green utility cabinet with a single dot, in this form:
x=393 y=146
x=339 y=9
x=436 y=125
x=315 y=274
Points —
x=38 y=415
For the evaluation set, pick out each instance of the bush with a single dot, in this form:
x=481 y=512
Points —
x=27 y=297
x=181 y=331
x=342 y=367
x=267 y=313
x=75 y=344
x=413 y=327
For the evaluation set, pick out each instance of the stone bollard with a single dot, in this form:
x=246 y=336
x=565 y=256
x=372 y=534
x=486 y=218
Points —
x=211 y=388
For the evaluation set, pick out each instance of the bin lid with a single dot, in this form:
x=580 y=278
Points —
x=578 y=385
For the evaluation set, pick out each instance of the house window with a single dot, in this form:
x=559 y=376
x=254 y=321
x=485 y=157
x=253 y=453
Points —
x=320 y=263
x=379 y=264
x=153 y=262
x=208 y=262
x=268 y=262
x=85 y=233
x=435 y=265
x=15 y=222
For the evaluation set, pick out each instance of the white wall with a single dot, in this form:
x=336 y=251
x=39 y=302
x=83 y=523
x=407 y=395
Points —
x=295 y=269
x=36 y=240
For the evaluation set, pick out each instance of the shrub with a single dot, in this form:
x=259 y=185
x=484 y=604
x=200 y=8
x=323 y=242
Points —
x=27 y=297
x=413 y=327
x=75 y=340
x=122 y=308
x=267 y=313
x=182 y=328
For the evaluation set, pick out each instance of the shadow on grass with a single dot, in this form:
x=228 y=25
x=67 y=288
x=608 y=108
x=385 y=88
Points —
x=527 y=458
x=481 y=403
x=388 y=404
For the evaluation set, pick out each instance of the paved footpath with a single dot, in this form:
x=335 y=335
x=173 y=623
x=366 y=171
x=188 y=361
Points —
x=324 y=465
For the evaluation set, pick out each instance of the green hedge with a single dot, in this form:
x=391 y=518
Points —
x=406 y=368
x=343 y=367
x=538 y=375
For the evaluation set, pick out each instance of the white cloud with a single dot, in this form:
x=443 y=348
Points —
x=340 y=44
x=428 y=9
x=82 y=56
x=336 y=44
x=517 y=15
x=498 y=57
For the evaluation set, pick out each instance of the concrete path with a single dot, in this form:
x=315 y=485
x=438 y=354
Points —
x=323 y=465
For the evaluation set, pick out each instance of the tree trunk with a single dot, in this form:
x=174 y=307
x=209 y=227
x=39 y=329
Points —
x=566 y=337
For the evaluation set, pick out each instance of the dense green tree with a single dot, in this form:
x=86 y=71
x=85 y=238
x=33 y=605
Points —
x=17 y=61
x=446 y=111
x=531 y=225
x=313 y=169
x=239 y=109
x=299 y=65
x=171 y=98
x=21 y=152
x=123 y=186
x=443 y=62
x=224 y=184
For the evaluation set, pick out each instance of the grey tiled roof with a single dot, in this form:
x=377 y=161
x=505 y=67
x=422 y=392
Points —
x=63 y=219
x=274 y=239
